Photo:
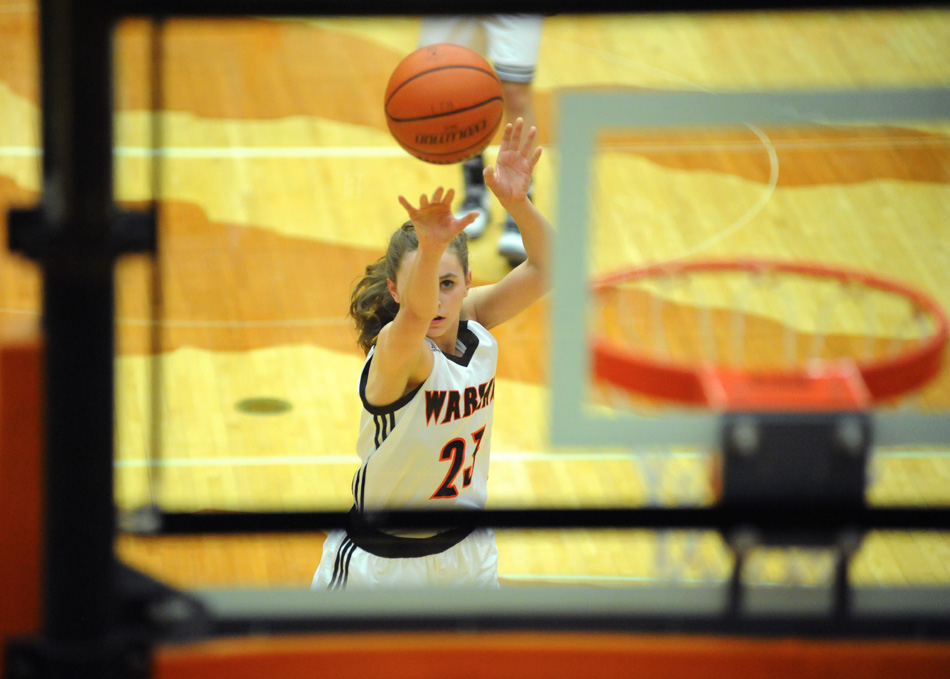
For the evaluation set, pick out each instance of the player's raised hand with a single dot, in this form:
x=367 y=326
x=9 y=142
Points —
x=510 y=177
x=433 y=218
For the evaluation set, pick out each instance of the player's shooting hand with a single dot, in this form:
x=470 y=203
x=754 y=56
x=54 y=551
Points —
x=510 y=177
x=433 y=219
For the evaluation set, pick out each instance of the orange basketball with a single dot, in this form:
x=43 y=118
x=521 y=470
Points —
x=444 y=103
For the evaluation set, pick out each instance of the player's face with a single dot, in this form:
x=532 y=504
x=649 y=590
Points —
x=454 y=285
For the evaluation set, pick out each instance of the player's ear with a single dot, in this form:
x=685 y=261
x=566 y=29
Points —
x=392 y=290
x=468 y=282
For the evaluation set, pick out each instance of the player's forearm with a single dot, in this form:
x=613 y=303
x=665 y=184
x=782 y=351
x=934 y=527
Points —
x=420 y=298
x=536 y=234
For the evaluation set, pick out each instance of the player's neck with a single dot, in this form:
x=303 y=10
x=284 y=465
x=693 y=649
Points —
x=448 y=342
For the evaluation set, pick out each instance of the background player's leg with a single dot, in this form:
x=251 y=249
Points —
x=513 y=44
x=518 y=104
x=466 y=31
x=477 y=198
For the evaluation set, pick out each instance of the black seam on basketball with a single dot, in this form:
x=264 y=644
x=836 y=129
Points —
x=447 y=113
x=434 y=70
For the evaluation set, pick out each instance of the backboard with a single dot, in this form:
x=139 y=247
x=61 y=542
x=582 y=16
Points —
x=638 y=185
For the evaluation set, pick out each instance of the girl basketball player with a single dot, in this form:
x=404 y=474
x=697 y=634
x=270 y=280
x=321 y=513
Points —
x=427 y=385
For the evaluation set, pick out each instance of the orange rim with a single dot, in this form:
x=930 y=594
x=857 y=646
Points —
x=884 y=378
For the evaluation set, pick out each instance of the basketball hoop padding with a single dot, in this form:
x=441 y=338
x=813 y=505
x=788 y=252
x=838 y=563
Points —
x=835 y=386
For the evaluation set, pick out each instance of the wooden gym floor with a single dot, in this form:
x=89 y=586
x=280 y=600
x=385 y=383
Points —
x=279 y=183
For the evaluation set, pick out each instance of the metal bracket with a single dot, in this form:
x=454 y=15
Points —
x=33 y=235
x=775 y=461
x=780 y=462
x=37 y=658
x=148 y=611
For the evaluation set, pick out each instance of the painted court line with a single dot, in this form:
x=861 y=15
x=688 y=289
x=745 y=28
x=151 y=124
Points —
x=275 y=323
x=353 y=460
x=785 y=145
x=511 y=456
x=199 y=152
x=645 y=579
x=211 y=323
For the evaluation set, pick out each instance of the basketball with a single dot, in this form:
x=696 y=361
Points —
x=443 y=104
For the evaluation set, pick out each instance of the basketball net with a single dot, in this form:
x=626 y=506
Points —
x=750 y=335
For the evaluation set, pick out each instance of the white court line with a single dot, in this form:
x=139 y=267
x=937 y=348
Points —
x=791 y=144
x=767 y=144
x=511 y=456
x=643 y=579
x=318 y=460
x=752 y=212
x=172 y=323
x=606 y=579
x=277 y=323
x=234 y=152
x=262 y=152
x=20 y=151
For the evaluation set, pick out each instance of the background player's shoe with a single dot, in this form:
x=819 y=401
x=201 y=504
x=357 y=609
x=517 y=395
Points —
x=510 y=245
x=476 y=200
x=477 y=197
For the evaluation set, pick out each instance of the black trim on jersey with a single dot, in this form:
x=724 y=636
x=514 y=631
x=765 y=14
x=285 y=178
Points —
x=468 y=338
x=385 y=424
x=387 y=546
x=382 y=410
x=359 y=486
x=341 y=565
x=363 y=488
x=346 y=566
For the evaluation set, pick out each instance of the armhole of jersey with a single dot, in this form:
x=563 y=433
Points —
x=382 y=410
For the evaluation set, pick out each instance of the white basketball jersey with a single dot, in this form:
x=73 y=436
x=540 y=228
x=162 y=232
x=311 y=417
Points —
x=430 y=449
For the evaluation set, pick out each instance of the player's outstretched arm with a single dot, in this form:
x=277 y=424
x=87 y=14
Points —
x=510 y=179
x=401 y=359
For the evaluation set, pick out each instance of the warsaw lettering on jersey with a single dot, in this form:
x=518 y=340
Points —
x=446 y=406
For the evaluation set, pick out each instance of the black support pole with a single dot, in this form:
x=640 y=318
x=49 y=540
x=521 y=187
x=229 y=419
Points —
x=77 y=262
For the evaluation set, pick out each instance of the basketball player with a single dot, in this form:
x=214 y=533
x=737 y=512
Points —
x=511 y=43
x=428 y=384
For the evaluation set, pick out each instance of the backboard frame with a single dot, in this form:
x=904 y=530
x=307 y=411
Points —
x=582 y=115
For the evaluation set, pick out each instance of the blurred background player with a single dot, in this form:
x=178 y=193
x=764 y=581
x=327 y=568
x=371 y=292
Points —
x=511 y=43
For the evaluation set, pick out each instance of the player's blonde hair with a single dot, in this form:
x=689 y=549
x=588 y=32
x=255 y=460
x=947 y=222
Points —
x=371 y=304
